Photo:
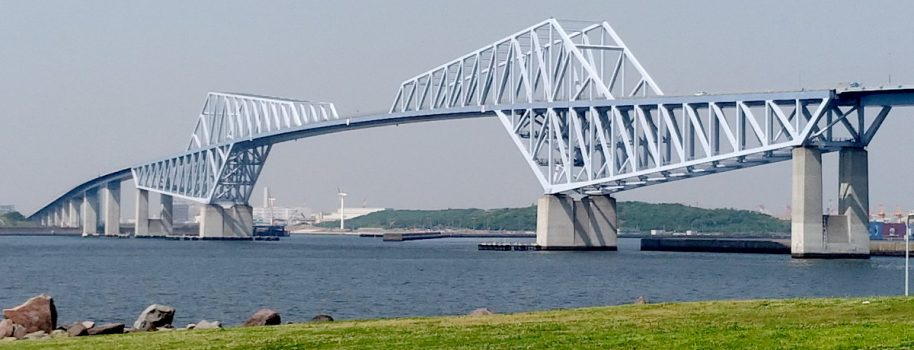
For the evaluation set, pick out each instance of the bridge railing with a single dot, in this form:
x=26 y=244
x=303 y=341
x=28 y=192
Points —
x=543 y=63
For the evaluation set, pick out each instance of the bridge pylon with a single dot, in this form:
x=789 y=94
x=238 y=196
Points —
x=564 y=222
x=818 y=235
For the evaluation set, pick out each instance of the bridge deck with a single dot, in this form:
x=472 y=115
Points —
x=884 y=97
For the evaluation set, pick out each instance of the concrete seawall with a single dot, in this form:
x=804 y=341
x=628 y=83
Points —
x=743 y=245
x=39 y=231
x=888 y=248
x=716 y=245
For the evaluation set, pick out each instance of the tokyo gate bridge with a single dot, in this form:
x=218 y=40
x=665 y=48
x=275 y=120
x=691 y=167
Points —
x=587 y=117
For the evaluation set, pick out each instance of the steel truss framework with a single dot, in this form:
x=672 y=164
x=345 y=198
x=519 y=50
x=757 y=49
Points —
x=543 y=63
x=621 y=132
x=583 y=112
x=611 y=146
x=222 y=164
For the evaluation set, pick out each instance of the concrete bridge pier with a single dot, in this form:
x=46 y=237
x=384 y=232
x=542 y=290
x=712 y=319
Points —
x=842 y=236
x=236 y=221
x=54 y=217
x=141 y=227
x=112 y=195
x=90 y=212
x=62 y=216
x=166 y=214
x=563 y=223
x=73 y=212
x=161 y=226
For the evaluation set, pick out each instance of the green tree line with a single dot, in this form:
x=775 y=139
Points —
x=14 y=219
x=633 y=216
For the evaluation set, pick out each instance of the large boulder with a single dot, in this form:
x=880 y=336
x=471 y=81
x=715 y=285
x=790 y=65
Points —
x=263 y=317
x=36 y=335
x=322 y=318
x=19 y=331
x=155 y=316
x=59 y=333
x=77 y=330
x=204 y=324
x=6 y=328
x=36 y=314
x=481 y=312
x=108 y=328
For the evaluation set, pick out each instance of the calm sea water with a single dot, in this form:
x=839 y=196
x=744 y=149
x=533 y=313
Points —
x=357 y=278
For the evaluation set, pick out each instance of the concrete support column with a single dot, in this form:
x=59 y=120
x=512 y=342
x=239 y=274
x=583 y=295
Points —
x=55 y=217
x=565 y=224
x=239 y=221
x=211 y=221
x=854 y=197
x=167 y=214
x=90 y=212
x=806 y=226
x=73 y=209
x=64 y=215
x=806 y=232
x=814 y=235
x=112 y=195
x=219 y=222
x=142 y=213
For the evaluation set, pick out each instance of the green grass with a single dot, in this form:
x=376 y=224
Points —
x=803 y=323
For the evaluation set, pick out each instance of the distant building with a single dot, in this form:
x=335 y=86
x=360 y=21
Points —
x=6 y=209
x=282 y=215
x=350 y=213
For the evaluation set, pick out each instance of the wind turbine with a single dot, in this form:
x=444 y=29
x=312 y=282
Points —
x=342 y=208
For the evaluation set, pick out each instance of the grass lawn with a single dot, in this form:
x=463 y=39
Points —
x=876 y=323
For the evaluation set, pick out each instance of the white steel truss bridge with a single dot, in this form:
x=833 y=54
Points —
x=583 y=112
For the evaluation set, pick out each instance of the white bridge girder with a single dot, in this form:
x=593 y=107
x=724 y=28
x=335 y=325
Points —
x=584 y=113
x=610 y=146
x=596 y=122
x=221 y=164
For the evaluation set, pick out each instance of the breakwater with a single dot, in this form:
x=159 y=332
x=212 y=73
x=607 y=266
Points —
x=757 y=246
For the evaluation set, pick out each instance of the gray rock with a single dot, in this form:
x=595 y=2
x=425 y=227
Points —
x=88 y=324
x=8 y=339
x=19 y=331
x=263 y=317
x=36 y=335
x=6 y=328
x=77 y=330
x=36 y=314
x=322 y=318
x=640 y=301
x=191 y=326
x=108 y=328
x=155 y=316
x=58 y=333
x=204 y=324
x=481 y=312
